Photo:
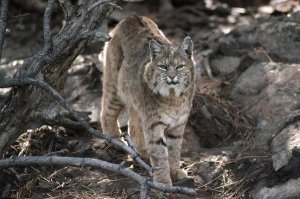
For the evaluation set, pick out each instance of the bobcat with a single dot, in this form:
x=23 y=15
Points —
x=156 y=82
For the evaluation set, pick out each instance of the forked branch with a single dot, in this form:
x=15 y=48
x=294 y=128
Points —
x=11 y=82
x=95 y=163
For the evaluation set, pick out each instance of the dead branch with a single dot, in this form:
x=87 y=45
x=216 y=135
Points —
x=101 y=2
x=144 y=190
x=48 y=43
x=127 y=138
x=3 y=23
x=11 y=82
x=67 y=8
x=18 y=17
x=95 y=163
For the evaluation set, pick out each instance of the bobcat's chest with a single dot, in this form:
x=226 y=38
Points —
x=174 y=118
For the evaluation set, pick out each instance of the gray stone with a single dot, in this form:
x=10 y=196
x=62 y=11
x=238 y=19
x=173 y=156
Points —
x=288 y=190
x=280 y=38
x=225 y=65
x=252 y=81
x=283 y=145
x=271 y=93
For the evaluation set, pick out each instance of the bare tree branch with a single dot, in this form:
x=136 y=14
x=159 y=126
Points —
x=15 y=18
x=11 y=82
x=67 y=8
x=144 y=190
x=95 y=163
x=101 y=2
x=48 y=43
x=127 y=138
x=3 y=23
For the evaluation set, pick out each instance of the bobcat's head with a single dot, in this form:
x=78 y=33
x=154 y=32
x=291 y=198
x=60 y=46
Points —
x=170 y=71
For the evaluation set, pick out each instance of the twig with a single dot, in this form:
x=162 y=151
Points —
x=127 y=138
x=57 y=153
x=3 y=23
x=144 y=190
x=15 y=18
x=115 y=6
x=11 y=82
x=67 y=8
x=101 y=2
x=207 y=67
x=91 y=162
x=48 y=42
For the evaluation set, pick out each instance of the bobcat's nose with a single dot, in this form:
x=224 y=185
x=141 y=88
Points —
x=172 y=75
x=172 y=80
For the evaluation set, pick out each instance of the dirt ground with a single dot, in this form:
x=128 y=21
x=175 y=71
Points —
x=226 y=147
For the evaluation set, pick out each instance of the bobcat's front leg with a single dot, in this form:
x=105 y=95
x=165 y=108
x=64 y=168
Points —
x=174 y=139
x=158 y=152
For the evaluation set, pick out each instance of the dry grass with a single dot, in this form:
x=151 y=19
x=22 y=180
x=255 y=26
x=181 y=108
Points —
x=228 y=117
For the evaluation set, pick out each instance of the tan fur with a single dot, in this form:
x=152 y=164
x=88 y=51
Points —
x=134 y=77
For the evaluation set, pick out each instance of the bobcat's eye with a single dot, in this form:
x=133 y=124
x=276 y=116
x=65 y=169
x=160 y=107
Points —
x=163 y=67
x=180 y=66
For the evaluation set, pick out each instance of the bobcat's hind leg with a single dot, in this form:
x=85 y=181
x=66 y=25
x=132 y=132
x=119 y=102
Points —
x=109 y=116
x=111 y=109
x=111 y=104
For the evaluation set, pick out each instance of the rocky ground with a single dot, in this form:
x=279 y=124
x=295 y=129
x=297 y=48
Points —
x=242 y=139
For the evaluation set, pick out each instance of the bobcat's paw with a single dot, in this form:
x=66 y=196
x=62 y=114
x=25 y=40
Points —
x=179 y=174
x=144 y=154
x=162 y=179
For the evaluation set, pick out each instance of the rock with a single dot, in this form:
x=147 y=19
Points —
x=225 y=65
x=228 y=46
x=283 y=145
x=288 y=190
x=271 y=93
x=276 y=39
x=251 y=82
x=280 y=39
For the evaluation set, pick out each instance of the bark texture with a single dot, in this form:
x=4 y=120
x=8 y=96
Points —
x=29 y=107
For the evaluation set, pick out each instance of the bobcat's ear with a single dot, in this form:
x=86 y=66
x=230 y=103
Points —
x=187 y=47
x=155 y=49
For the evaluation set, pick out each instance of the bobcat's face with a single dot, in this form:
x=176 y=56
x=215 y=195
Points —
x=170 y=71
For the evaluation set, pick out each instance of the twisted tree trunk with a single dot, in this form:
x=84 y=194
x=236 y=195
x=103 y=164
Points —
x=29 y=107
